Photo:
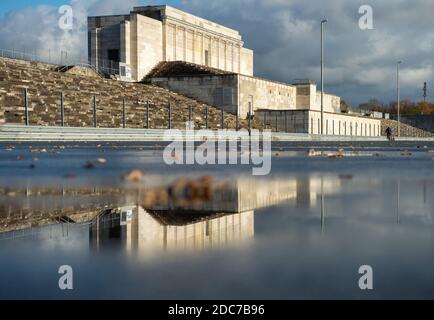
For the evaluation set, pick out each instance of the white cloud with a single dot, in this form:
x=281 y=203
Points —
x=36 y=30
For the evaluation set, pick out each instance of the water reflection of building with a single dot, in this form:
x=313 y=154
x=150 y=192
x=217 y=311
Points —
x=227 y=218
x=154 y=231
x=311 y=189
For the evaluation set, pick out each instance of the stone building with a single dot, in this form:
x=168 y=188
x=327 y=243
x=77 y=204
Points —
x=151 y=34
x=209 y=63
x=289 y=108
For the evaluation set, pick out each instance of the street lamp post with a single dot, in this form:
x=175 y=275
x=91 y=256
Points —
x=322 y=75
x=397 y=97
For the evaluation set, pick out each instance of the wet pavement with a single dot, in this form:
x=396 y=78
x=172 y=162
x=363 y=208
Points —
x=217 y=232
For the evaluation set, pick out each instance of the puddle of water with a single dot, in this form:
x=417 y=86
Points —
x=300 y=233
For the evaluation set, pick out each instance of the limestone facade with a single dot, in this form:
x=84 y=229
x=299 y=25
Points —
x=149 y=236
x=289 y=108
x=151 y=34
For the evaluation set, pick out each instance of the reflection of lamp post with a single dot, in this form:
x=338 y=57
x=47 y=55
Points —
x=398 y=191
x=322 y=205
x=397 y=96
x=322 y=74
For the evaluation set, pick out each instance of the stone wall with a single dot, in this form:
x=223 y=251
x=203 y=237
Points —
x=193 y=39
x=424 y=122
x=265 y=94
x=146 y=45
x=344 y=125
x=305 y=121
x=45 y=85
x=331 y=103
x=308 y=97
x=405 y=130
x=222 y=91
x=97 y=49
x=217 y=90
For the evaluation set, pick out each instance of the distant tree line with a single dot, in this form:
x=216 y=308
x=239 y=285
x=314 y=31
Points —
x=407 y=107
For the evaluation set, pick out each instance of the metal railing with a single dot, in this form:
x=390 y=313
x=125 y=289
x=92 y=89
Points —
x=62 y=59
x=124 y=105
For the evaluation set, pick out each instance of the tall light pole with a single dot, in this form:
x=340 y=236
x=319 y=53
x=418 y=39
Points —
x=322 y=75
x=397 y=96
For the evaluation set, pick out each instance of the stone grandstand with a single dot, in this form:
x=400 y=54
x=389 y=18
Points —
x=45 y=82
x=45 y=85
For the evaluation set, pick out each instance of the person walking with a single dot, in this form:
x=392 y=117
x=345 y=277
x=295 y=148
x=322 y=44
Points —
x=389 y=133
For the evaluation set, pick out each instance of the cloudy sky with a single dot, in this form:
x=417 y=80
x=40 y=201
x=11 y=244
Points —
x=285 y=34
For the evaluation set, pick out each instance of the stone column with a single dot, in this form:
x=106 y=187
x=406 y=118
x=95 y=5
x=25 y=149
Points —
x=194 y=46
x=218 y=53
x=202 y=50
x=185 y=44
x=175 y=28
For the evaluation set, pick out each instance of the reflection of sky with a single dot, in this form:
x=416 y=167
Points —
x=289 y=256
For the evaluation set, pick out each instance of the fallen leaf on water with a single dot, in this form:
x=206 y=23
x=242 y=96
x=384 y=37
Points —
x=336 y=156
x=135 y=175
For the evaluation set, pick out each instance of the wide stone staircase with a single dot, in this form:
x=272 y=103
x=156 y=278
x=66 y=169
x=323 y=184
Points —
x=45 y=86
x=405 y=130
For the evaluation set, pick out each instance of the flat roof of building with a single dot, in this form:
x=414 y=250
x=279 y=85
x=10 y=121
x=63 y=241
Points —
x=177 y=14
